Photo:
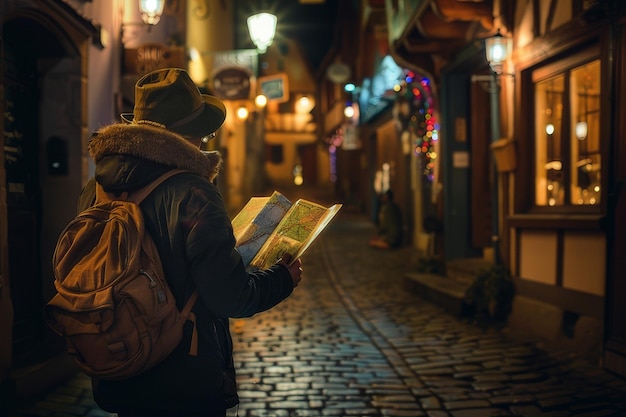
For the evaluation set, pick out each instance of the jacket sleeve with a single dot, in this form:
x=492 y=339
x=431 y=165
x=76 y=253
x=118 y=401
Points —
x=216 y=268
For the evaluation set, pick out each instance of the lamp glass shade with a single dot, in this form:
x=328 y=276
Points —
x=151 y=10
x=497 y=49
x=262 y=28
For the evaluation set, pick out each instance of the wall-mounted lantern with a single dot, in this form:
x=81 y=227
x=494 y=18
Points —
x=497 y=49
x=151 y=11
x=262 y=27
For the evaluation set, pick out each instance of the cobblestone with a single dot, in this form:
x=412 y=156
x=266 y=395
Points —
x=352 y=341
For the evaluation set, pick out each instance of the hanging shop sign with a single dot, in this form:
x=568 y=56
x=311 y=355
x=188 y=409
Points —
x=233 y=73
x=377 y=92
x=232 y=83
x=275 y=87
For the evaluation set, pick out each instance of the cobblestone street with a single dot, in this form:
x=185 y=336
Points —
x=353 y=341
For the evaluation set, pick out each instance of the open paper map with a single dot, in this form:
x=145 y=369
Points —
x=268 y=227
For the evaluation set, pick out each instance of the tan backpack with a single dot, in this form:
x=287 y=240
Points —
x=113 y=304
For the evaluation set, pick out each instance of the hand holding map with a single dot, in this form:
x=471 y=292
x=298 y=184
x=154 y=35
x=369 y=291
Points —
x=268 y=227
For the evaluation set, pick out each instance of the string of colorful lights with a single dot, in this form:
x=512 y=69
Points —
x=422 y=122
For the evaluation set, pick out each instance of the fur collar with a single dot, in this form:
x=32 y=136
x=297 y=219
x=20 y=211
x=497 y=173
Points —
x=154 y=144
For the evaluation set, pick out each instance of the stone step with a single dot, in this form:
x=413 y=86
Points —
x=467 y=269
x=446 y=292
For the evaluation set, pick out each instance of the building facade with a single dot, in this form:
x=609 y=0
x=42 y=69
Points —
x=527 y=169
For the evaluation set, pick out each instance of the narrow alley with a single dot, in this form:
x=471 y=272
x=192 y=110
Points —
x=353 y=341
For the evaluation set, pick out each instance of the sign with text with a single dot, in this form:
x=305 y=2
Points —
x=232 y=83
x=234 y=73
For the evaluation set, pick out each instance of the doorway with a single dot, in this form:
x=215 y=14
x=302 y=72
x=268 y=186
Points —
x=42 y=100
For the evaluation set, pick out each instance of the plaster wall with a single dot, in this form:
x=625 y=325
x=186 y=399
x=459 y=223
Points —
x=584 y=263
x=551 y=15
x=551 y=20
x=206 y=34
x=582 y=257
x=538 y=256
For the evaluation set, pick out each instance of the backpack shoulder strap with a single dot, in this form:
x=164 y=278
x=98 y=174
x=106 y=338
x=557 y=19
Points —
x=137 y=196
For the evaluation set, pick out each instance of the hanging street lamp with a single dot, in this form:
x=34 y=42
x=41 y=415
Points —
x=262 y=28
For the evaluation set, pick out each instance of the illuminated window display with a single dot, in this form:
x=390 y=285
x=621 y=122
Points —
x=567 y=136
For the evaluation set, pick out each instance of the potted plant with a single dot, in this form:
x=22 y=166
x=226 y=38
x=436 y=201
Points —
x=490 y=297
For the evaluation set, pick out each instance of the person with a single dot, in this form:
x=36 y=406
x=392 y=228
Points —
x=188 y=220
x=389 y=227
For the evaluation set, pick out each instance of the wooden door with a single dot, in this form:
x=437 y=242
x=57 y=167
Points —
x=21 y=144
x=480 y=166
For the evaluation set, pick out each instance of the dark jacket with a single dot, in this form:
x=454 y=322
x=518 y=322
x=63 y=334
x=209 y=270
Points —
x=187 y=219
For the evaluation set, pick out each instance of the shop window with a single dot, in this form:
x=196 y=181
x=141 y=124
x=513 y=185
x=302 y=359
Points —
x=567 y=132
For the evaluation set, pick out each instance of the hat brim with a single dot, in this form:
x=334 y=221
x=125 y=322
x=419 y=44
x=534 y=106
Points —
x=207 y=122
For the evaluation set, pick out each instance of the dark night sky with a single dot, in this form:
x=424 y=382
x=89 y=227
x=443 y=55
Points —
x=311 y=24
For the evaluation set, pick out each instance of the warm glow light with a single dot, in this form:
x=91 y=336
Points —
x=498 y=53
x=497 y=50
x=151 y=10
x=242 y=113
x=304 y=104
x=555 y=165
x=262 y=27
x=194 y=54
x=297 y=175
x=581 y=130
x=550 y=129
x=349 y=112
x=260 y=101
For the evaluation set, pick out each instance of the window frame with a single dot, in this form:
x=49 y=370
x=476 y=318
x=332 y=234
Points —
x=563 y=65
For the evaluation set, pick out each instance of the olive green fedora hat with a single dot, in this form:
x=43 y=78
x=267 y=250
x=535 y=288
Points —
x=168 y=98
